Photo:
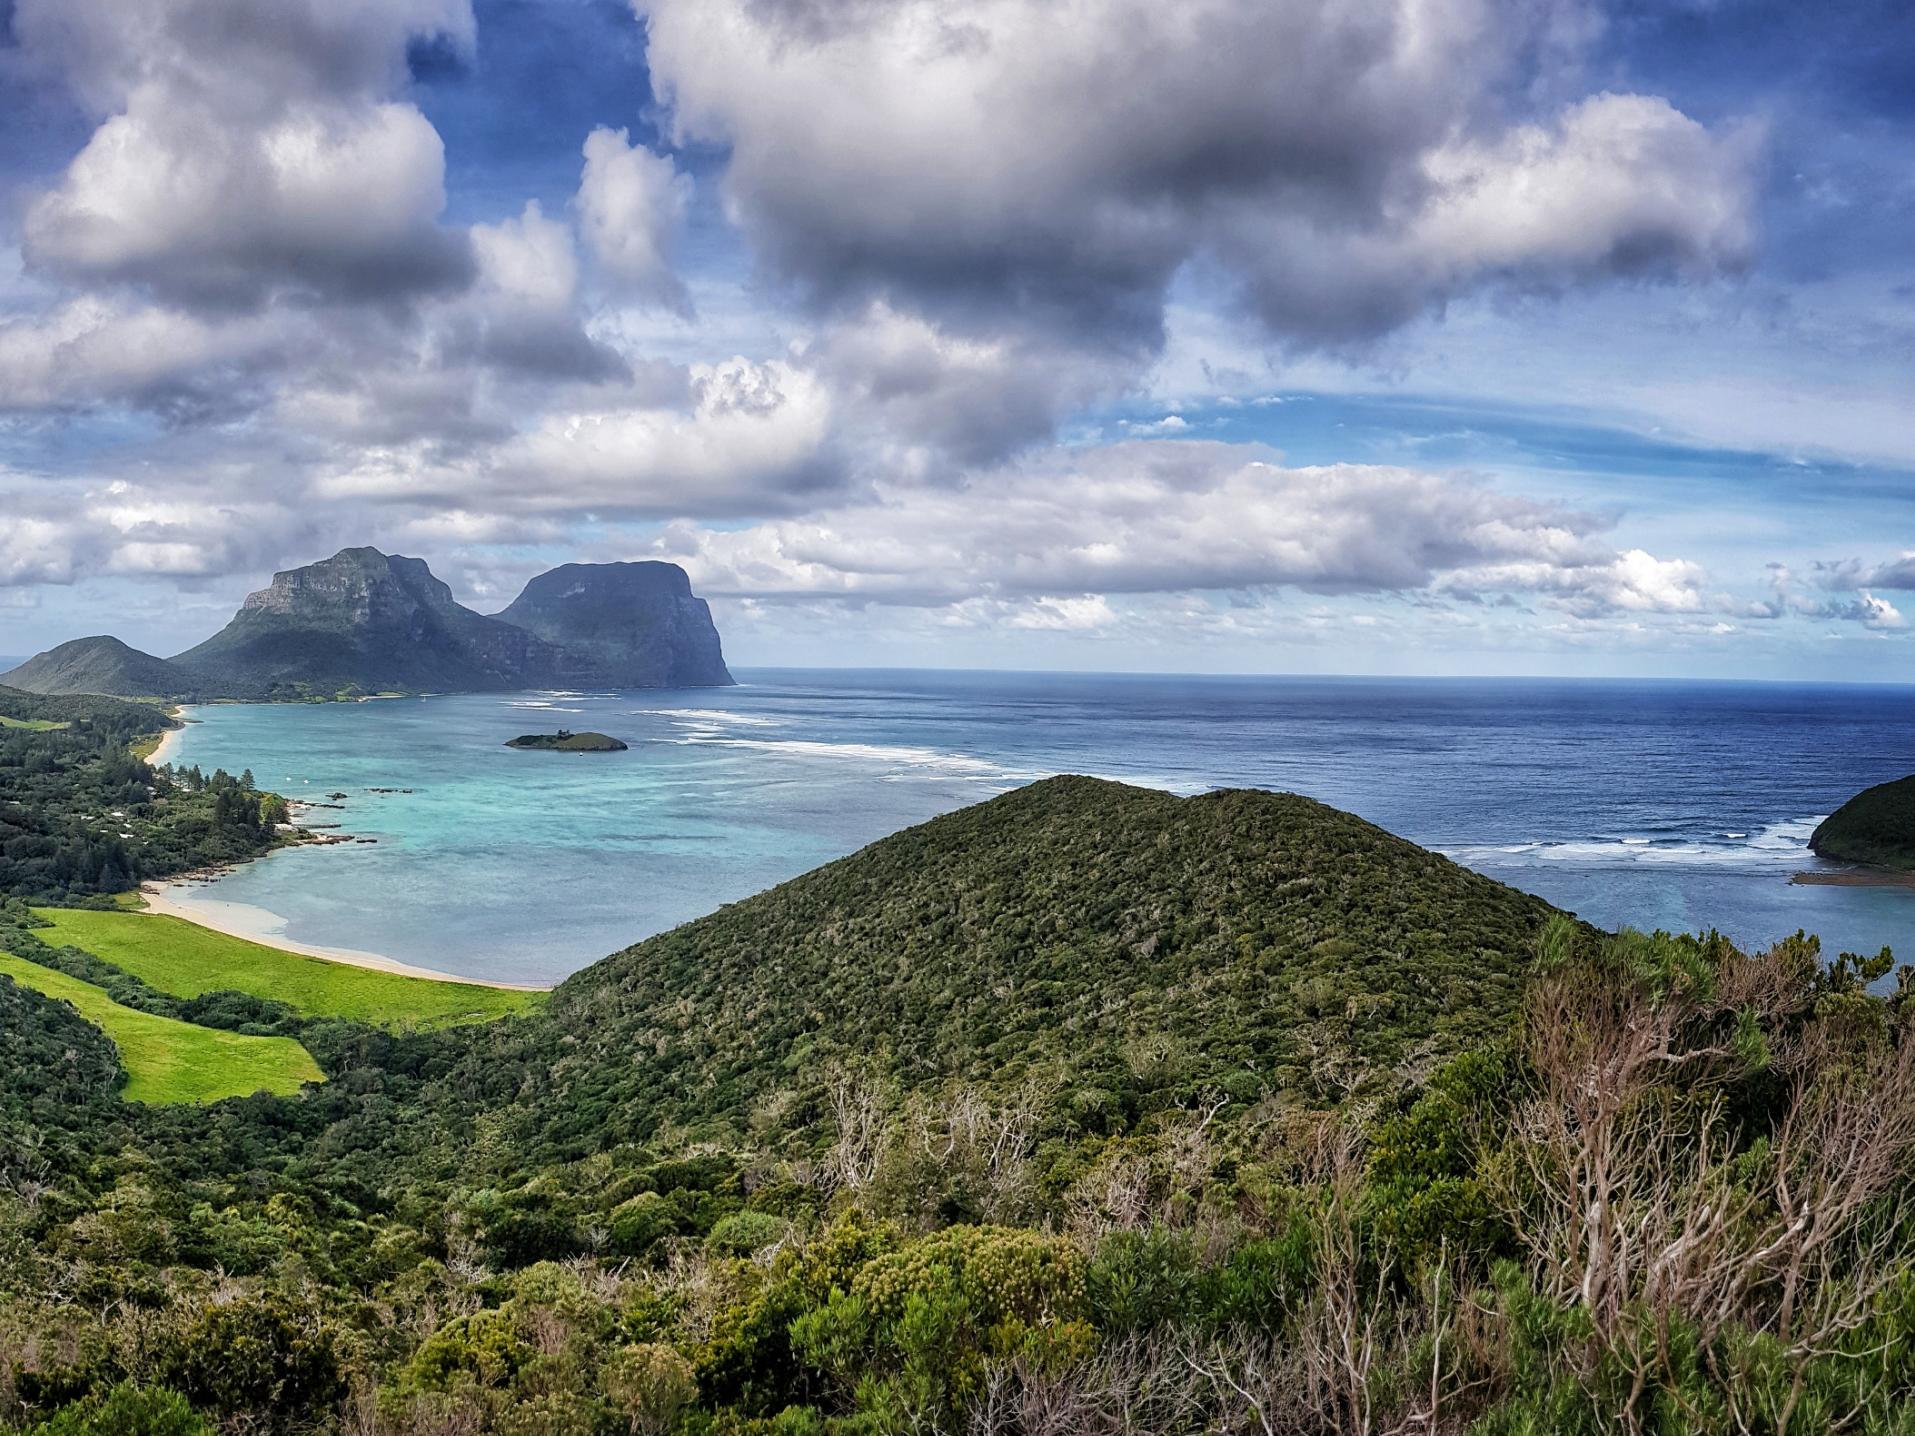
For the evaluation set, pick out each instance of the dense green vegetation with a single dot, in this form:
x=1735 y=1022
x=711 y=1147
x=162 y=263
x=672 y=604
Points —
x=1086 y=1110
x=81 y=817
x=184 y=960
x=566 y=741
x=100 y=664
x=1875 y=827
x=167 y=1060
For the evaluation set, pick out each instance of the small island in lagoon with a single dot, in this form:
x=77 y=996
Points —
x=566 y=741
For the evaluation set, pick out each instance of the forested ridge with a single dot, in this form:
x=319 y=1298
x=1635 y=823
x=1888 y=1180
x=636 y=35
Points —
x=81 y=817
x=1084 y=1110
x=1876 y=828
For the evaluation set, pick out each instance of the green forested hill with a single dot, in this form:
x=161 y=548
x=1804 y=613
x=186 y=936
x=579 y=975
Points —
x=82 y=818
x=1088 y=1109
x=99 y=665
x=1147 y=946
x=1875 y=827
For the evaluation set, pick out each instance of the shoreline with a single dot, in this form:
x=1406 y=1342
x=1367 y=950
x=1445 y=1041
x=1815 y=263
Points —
x=160 y=902
x=1855 y=878
x=217 y=915
x=170 y=737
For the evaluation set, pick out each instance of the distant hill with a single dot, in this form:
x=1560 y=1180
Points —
x=101 y=664
x=367 y=620
x=1876 y=827
x=1143 y=949
x=623 y=625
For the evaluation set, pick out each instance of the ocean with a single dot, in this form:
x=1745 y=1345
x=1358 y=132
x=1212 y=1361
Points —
x=1649 y=804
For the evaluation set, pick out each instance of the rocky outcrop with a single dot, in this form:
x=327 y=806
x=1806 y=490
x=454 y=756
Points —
x=368 y=621
x=623 y=625
x=364 y=621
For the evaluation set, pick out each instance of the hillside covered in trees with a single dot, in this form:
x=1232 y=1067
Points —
x=1875 y=828
x=1087 y=1109
x=82 y=818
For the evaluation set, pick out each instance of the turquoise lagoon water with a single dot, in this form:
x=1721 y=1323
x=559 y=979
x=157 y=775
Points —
x=1651 y=804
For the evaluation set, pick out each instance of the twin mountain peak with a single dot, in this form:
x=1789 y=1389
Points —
x=368 y=622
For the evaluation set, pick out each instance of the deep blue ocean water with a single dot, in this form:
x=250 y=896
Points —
x=1677 y=805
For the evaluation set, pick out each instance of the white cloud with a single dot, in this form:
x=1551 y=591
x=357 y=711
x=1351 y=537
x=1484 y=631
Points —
x=1170 y=516
x=36 y=550
x=91 y=350
x=1086 y=613
x=754 y=438
x=631 y=204
x=932 y=398
x=243 y=153
x=1880 y=613
x=1057 y=163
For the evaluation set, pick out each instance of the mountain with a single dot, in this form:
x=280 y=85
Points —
x=367 y=620
x=1142 y=948
x=1875 y=827
x=623 y=625
x=101 y=664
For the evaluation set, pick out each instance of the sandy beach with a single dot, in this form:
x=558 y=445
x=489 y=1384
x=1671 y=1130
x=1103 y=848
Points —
x=169 y=740
x=257 y=925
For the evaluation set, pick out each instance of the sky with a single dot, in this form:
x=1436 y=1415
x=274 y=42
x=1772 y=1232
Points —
x=1332 y=336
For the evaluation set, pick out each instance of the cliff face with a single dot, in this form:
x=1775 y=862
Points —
x=373 y=622
x=100 y=664
x=368 y=620
x=623 y=625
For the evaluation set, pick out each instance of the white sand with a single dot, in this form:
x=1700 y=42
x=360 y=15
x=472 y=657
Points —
x=169 y=740
x=256 y=924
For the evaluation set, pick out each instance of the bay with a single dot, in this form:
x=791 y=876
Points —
x=1652 y=804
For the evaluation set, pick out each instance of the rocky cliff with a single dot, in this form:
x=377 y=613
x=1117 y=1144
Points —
x=623 y=625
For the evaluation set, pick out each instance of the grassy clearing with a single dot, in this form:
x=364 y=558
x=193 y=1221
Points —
x=178 y=957
x=145 y=747
x=32 y=725
x=169 y=1061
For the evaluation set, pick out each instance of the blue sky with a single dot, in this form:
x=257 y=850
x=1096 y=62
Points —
x=1419 y=336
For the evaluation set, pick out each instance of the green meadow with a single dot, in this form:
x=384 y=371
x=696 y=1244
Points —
x=172 y=1061
x=185 y=960
x=32 y=725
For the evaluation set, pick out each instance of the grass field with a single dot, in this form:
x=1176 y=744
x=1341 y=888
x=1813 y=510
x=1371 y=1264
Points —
x=169 y=1061
x=185 y=960
x=37 y=725
x=144 y=748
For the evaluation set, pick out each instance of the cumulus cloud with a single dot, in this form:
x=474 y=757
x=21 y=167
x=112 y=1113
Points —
x=36 y=549
x=1617 y=186
x=523 y=313
x=147 y=530
x=749 y=438
x=1346 y=162
x=93 y=350
x=1173 y=515
x=1897 y=574
x=939 y=398
x=631 y=204
x=246 y=150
